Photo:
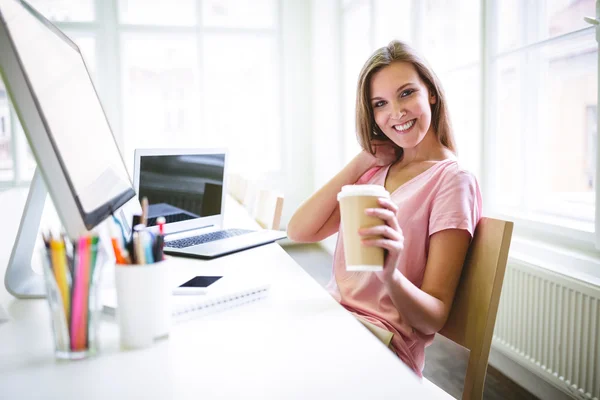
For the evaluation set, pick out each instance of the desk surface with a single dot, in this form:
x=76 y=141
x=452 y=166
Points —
x=297 y=343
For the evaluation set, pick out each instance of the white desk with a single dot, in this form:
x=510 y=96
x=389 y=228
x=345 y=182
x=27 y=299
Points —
x=296 y=344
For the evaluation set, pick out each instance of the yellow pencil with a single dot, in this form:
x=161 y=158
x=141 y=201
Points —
x=59 y=262
x=144 y=219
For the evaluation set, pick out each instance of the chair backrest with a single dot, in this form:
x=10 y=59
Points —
x=268 y=208
x=473 y=314
x=237 y=187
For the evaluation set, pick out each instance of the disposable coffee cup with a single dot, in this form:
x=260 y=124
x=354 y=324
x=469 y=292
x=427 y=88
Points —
x=354 y=200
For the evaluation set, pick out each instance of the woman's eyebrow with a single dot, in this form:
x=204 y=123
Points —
x=397 y=90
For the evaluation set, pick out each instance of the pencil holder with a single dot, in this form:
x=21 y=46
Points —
x=143 y=303
x=72 y=282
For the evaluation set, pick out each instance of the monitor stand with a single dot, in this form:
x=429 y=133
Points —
x=20 y=279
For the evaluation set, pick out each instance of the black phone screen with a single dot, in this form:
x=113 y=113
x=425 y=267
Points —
x=201 y=281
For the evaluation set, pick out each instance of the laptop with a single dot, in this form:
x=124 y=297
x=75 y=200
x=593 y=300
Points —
x=188 y=188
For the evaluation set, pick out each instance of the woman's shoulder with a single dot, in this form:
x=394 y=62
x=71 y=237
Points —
x=452 y=172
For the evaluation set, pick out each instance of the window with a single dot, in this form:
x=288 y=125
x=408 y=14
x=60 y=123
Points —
x=534 y=145
x=157 y=12
x=545 y=89
x=159 y=90
x=248 y=14
x=178 y=73
x=65 y=10
x=240 y=103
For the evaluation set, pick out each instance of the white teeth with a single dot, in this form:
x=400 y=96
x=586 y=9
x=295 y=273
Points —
x=406 y=126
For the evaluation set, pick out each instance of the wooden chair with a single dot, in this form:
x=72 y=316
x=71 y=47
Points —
x=266 y=206
x=473 y=314
x=237 y=187
x=268 y=209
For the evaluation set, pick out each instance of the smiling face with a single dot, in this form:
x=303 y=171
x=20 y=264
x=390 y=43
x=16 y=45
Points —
x=401 y=104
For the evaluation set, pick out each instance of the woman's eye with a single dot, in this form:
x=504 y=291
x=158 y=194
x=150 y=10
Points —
x=380 y=103
x=407 y=92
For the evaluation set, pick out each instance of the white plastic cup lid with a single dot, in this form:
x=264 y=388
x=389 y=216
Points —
x=363 y=190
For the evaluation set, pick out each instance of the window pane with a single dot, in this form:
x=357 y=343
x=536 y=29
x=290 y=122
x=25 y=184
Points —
x=463 y=93
x=241 y=101
x=158 y=12
x=393 y=20
x=356 y=50
x=160 y=91
x=523 y=22
x=509 y=130
x=239 y=13
x=564 y=16
x=511 y=16
x=566 y=127
x=6 y=157
x=452 y=37
x=65 y=10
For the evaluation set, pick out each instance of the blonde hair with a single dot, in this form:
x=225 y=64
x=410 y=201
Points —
x=365 y=121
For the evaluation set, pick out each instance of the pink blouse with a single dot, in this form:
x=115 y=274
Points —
x=443 y=197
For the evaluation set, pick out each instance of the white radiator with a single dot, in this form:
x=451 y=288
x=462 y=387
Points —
x=550 y=324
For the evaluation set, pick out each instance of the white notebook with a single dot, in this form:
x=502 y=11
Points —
x=187 y=306
x=193 y=306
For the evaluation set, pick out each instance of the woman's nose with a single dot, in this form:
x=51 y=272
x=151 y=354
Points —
x=397 y=112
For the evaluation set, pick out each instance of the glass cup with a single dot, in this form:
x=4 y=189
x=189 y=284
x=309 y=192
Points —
x=72 y=290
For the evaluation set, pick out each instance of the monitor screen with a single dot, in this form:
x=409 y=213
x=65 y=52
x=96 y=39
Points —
x=182 y=187
x=71 y=112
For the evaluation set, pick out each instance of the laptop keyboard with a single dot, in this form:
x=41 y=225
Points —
x=207 y=237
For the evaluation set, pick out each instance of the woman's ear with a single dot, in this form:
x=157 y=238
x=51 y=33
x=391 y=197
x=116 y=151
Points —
x=432 y=98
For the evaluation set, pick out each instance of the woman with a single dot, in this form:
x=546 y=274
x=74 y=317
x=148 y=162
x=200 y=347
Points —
x=403 y=127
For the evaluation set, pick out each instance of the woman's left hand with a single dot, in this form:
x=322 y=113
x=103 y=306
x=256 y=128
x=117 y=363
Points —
x=391 y=237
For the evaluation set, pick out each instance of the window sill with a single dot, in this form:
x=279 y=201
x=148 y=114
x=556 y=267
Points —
x=563 y=246
x=560 y=259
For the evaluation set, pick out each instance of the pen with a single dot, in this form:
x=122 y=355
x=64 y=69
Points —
x=160 y=221
x=159 y=243
x=129 y=245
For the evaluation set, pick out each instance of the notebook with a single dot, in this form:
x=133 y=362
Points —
x=188 y=187
x=187 y=307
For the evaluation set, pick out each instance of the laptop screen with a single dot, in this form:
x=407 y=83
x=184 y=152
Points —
x=182 y=187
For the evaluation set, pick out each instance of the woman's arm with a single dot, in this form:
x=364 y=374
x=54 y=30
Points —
x=426 y=309
x=319 y=216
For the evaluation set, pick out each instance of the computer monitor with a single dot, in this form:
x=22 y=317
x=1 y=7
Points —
x=76 y=153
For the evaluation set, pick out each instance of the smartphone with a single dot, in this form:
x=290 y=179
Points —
x=196 y=285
